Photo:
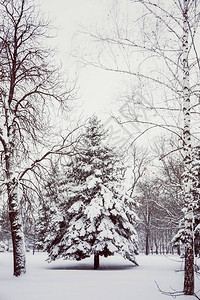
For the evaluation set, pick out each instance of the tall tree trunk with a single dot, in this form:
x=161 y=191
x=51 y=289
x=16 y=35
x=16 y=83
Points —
x=19 y=259
x=156 y=245
x=189 y=234
x=96 y=260
x=16 y=230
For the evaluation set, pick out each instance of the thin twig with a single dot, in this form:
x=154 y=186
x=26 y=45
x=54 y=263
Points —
x=195 y=295
x=172 y=294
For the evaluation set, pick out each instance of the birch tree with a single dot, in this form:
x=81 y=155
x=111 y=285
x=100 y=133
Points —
x=157 y=47
x=30 y=83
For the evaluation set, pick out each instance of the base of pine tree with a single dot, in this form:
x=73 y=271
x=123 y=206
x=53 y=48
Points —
x=96 y=260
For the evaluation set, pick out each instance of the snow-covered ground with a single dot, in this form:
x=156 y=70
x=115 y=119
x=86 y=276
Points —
x=117 y=279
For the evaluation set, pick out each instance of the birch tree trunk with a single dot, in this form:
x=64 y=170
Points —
x=189 y=253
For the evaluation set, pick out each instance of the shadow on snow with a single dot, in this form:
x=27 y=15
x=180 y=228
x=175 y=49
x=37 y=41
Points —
x=84 y=267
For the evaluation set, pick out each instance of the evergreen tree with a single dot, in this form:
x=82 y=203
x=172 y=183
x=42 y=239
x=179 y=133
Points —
x=5 y=235
x=195 y=178
x=48 y=208
x=98 y=217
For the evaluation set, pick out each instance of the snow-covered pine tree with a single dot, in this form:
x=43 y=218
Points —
x=195 y=178
x=98 y=217
x=49 y=206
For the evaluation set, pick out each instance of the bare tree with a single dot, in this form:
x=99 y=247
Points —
x=148 y=196
x=159 y=50
x=139 y=160
x=161 y=200
x=30 y=84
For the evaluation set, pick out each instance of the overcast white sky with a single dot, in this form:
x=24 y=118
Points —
x=97 y=87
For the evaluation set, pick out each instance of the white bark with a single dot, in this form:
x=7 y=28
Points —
x=189 y=253
x=17 y=231
x=15 y=212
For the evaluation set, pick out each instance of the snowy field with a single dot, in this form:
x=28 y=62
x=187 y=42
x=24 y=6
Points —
x=117 y=279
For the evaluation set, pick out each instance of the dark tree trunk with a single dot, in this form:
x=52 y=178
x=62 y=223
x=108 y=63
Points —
x=178 y=250
x=147 y=242
x=96 y=260
x=189 y=272
x=156 y=247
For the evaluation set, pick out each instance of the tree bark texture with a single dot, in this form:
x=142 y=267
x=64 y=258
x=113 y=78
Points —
x=17 y=236
x=189 y=234
x=19 y=259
